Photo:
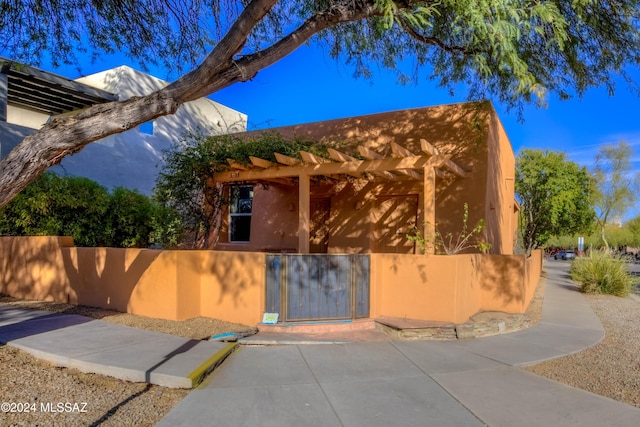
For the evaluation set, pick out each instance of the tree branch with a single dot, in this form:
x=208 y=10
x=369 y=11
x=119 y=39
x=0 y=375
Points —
x=335 y=15
x=246 y=67
x=435 y=41
x=64 y=136
x=50 y=144
x=194 y=84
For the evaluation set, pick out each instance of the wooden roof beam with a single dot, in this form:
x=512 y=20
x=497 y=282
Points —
x=286 y=160
x=334 y=168
x=236 y=165
x=312 y=158
x=287 y=182
x=261 y=163
x=339 y=156
x=369 y=154
x=453 y=167
x=372 y=155
x=399 y=152
x=342 y=157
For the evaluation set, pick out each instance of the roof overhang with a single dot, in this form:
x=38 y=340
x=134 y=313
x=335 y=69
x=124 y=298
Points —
x=48 y=93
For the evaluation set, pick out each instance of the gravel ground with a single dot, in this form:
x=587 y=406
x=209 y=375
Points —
x=109 y=402
x=611 y=368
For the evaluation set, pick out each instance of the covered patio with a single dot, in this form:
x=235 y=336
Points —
x=403 y=165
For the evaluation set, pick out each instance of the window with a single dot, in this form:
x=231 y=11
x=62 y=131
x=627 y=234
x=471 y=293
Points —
x=241 y=201
x=146 y=128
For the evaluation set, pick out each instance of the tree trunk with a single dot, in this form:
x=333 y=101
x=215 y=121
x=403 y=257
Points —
x=220 y=69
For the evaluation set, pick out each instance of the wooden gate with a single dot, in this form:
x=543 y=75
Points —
x=317 y=287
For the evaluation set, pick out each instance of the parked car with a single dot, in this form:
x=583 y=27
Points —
x=564 y=255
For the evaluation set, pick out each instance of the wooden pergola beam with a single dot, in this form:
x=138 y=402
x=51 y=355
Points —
x=372 y=155
x=261 y=163
x=398 y=152
x=279 y=181
x=339 y=156
x=333 y=168
x=312 y=158
x=342 y=157
x=453 y=167
x=237 y=165
x=286 y=160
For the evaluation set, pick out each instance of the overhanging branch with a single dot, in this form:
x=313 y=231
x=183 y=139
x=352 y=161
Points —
x=434 y=41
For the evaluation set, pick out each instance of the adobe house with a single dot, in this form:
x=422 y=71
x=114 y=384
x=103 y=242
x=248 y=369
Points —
x=324 y=238
x=416 y=168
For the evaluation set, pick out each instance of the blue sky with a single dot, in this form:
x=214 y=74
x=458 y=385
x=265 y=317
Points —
x=309 y=86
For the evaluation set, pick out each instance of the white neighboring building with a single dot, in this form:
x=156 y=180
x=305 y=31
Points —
x=130 y=159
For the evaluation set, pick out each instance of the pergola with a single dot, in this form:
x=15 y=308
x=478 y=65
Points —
x=402 y=165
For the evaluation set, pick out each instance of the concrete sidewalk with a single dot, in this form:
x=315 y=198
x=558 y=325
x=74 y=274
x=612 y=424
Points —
x=105 y=348
x=413 y=383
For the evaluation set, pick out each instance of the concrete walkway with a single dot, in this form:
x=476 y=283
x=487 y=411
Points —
x=372 y=382
x=413 y=383
x=105 y=348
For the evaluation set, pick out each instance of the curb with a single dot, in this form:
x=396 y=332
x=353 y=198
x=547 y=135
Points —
x=206 y=367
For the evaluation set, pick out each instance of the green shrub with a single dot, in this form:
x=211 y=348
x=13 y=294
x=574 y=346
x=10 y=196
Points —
x=601 y=273
x=81 y=208
x=131 y=218
x=57 y=206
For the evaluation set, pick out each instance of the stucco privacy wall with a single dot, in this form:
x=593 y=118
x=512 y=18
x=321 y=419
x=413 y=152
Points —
x=452 y=288
x=174 y=285
x=178 y=285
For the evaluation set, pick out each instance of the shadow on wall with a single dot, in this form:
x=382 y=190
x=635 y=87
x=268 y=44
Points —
x=10 y=136
x=502 y=280
x=31 y=269
x=459 y=130
x=106 y=277
x=174 y=285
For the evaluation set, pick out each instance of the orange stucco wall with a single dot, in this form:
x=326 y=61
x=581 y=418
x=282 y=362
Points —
x=178 y=285
x=173 y=285
x=451 y=288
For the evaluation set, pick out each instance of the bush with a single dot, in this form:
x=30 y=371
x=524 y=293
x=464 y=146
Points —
x=56 y=206
x=83 y=209
x=601 y=273
x=131 y=219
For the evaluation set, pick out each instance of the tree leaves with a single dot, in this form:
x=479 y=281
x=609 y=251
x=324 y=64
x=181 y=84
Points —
x=83 y=209
x=554 y=196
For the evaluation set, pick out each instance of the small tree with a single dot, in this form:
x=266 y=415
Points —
x=615 y=187
x=554 y=197
x=81 y=208
x=131 y=219
x=57 y=206
x=634 y=228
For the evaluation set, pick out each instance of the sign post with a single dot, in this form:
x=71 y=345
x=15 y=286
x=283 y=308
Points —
x=581 y=245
